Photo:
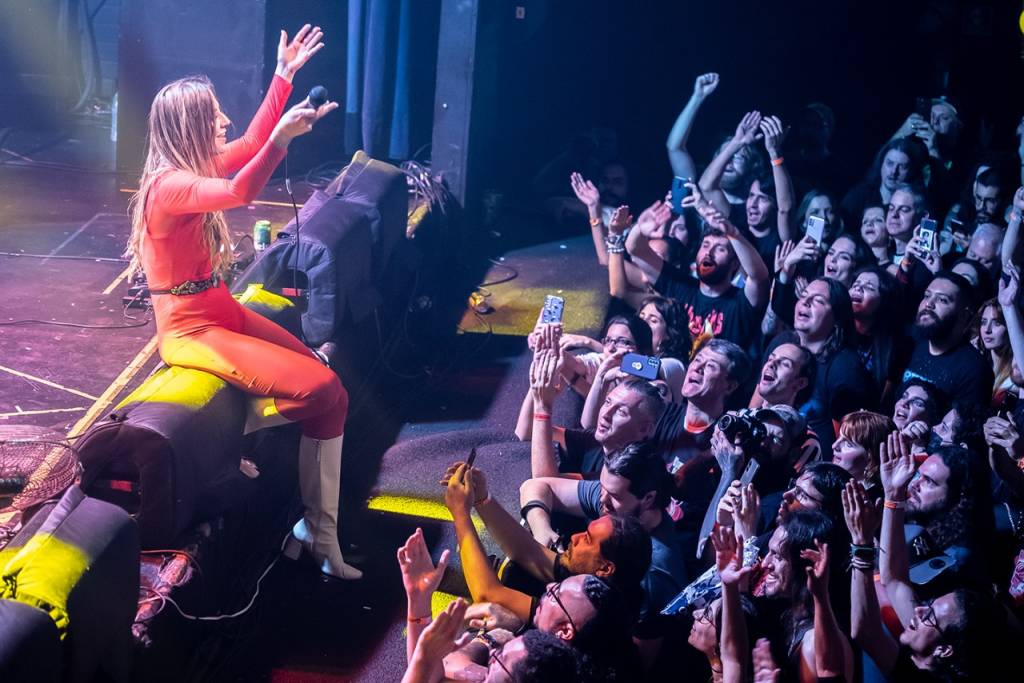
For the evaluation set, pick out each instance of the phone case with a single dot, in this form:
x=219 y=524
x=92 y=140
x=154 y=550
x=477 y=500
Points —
x=553 y=307
x=639 y=365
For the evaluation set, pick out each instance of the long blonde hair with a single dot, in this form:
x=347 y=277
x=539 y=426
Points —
x=181 y=137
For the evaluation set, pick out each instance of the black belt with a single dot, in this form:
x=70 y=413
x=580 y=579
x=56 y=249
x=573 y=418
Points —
x=189 y=287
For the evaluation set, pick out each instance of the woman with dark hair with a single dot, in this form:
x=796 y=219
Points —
x=823 y=205
x=878 y=314
x=823 y=322
x=670 y=338
x=991 y=337
x=623 y=334
x=874 y=234
x=919 y=406
x=900 y=161
x=844 y=256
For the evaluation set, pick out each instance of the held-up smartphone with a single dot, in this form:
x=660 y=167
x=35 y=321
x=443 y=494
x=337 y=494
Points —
x=639 y=365
x=552 y=311
x=927 y=233
x=816 y=228
x=749 y=472
x=471 y=459
x=679 y=192
x=923 y=108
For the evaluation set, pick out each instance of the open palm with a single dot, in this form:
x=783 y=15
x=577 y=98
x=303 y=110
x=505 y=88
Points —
x=294 y=54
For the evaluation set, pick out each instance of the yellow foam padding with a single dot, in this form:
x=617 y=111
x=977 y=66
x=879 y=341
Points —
x=42 y=573
x=255 y=294
x=516 y=309
x=417 y=507
x=174 y=384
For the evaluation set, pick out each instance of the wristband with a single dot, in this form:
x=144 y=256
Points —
x=534 y=504
x=778 y=161
x=895 y=504
x=541 y=416
x=419 y=620
x=595 y=222
x=615 y=244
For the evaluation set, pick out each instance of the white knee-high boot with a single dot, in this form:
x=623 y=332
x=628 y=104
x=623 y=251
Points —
x=320 y=488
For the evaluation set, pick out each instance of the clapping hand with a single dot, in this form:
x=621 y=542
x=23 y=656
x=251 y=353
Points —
x=748 y=129
x=765 y=670
x=1002 y=432
x=419 y=575
x=729 y=556
x=897 y=466
x=817 y=570
x=862 y=518
x=653 y=219
x=774 y=135
x=620 y=220
x=438 y=639
x=585 y=190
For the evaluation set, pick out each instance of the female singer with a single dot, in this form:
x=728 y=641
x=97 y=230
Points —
x=181 y=240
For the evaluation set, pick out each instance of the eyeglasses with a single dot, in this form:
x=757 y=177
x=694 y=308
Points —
x=493 y=657
x=930 y=620
x=552 y=592
x=619 y=342
x=918 y=403
x=800 y=494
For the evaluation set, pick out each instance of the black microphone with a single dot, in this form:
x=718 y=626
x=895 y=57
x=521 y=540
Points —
x=317 y=96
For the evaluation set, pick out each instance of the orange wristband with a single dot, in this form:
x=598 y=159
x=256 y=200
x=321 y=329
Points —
x=778 y=162
x=419 y=620
x=541 y=416
x=594 y=222
x=895 y=504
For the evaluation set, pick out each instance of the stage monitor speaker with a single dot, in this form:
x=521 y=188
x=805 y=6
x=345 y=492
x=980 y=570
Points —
x=347 y=234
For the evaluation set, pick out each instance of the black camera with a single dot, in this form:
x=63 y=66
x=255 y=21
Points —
x=744 y=430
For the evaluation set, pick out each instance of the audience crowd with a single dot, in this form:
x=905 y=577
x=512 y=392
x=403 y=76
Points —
x=824 y=480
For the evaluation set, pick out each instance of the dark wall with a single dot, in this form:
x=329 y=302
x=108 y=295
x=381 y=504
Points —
x=631 y=66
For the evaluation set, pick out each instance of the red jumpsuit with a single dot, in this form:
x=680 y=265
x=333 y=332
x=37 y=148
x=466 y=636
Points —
x=211 y=331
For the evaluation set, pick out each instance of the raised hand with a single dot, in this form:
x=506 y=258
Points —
x=923 y=253
x=817 y=572
x=620 y=220
x=609 y=367
x=782 y=252
x=654 y=218
x=774 y=135
x=293 y=55
x=1018 y=198
x=749 y=511
x=488 y=615
x=585 y=190
x=1002 y=432
x=1008 y=289
x=805 y=250
x=298 y=121
x=544 y=377
x=419 y=575
x=438 y=639
x=897 y=466
x=705 y=85
x=862 y=517
x=729 y=556
x=765 y=670
x=748 y=129
x=725 y=515
x=479 y=480
x=460 y=494
x=916 y=431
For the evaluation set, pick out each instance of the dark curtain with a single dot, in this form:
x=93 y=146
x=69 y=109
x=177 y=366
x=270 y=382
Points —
x=392 y=56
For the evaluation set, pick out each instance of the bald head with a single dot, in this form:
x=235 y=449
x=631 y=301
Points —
x=986 y=246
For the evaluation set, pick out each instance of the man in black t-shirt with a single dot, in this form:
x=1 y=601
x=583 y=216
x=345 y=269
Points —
x=943 y=354
x=712 y=302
